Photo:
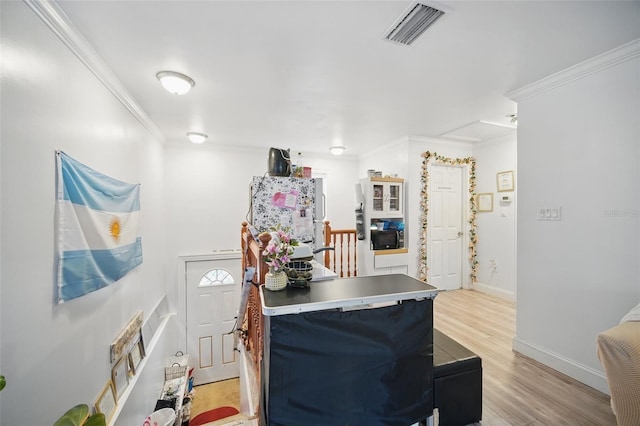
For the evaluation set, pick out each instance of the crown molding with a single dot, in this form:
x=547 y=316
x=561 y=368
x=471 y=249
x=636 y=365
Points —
x=58 y=22
x=442 y=141
x=385 y=146
x=596 y=64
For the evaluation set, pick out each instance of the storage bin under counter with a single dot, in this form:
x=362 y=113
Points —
x=332 y=357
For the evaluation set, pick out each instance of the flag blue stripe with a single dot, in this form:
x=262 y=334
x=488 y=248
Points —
x=85 y=186
x=84 y=271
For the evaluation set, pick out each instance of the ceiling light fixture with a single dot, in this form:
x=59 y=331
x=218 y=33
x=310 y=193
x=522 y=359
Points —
x=174 y=82
x=337 y=149
x=196 y=137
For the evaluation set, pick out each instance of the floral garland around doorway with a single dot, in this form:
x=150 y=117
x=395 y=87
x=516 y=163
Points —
x=424 y=204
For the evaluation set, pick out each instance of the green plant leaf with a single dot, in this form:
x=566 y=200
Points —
x=3 y=382
x=97 y=419
x=74 y=417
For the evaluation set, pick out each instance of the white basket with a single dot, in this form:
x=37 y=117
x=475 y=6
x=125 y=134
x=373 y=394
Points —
x=176 y=366
x=162 y=417
x=174 y=372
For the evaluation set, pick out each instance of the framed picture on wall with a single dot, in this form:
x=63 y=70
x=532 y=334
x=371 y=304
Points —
x=120 y=343
x=106 y=402
x=505 y=181
x=147 y=331
x=485 y=202
x=120 y=375
x=135 y=356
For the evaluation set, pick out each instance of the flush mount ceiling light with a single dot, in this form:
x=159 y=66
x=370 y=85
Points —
x=337 y=149
x=196 y=137
x=175 y=82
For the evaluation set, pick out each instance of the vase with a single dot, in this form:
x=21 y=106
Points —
x=275 y=280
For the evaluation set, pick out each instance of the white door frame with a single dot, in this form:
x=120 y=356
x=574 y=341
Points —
x=182 y=274
x=466 y=267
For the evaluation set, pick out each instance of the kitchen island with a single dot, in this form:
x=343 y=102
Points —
x=348 y=351
x=252 y=249
x=345 y=351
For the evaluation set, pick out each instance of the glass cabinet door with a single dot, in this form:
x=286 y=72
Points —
x=384 y=198
x=394 y=198
x=378 y=198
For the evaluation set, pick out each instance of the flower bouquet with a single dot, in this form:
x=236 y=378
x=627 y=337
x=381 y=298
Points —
x=276 y=255
x=278 y=250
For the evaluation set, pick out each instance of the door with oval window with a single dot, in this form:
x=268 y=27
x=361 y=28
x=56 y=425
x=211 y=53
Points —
x=213 y=289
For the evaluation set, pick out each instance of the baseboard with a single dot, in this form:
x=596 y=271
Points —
x=494 y=291
x=249 y=392
x=579 y=372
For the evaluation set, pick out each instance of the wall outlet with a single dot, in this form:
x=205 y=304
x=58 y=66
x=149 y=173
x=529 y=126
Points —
x=492 y=265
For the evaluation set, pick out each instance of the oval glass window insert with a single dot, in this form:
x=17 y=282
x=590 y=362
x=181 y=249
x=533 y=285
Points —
x=216 y=277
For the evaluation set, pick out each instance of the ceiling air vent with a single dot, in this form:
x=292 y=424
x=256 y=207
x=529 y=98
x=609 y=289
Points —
x=412 y=24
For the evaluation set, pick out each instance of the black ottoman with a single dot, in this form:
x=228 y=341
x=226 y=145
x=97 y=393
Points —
x=457 y=382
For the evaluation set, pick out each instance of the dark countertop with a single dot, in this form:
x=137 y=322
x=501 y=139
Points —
x=344 y=293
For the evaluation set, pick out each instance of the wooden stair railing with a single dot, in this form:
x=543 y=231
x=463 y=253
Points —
x=344 y=255
x=252 y=256
x=341 y=260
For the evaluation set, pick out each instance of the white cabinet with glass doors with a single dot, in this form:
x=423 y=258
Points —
x=384 y=197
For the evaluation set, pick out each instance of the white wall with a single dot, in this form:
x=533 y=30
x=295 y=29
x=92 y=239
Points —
x=404 y=157
x=392 y=158
x=496 y=233
x=496 y=229
x=341 y=174
x=417 y=146
x=578 y=149
x=209 y=193
x=1 y=326
x=208 y=197
x=56 y=356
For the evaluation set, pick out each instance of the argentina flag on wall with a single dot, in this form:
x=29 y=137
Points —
x=98 y=233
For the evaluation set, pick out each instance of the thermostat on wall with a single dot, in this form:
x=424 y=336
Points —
x=505 y=198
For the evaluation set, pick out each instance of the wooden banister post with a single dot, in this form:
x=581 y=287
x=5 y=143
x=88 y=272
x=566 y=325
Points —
x=337 y=238
x=327 y=243
x=355 y=255
x=243 y=246
x=262 y=269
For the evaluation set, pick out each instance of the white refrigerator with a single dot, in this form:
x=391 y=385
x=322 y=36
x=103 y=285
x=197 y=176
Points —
x=295 y=203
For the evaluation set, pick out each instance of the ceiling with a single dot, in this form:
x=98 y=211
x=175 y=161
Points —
x=306 y=75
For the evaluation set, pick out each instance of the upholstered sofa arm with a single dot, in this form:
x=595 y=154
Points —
x=619 y=353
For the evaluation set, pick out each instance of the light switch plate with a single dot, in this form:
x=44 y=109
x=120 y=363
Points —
x=541 y=213
x=549 y=213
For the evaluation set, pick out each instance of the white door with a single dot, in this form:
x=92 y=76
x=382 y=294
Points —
x=213 y=289
x=445 y=227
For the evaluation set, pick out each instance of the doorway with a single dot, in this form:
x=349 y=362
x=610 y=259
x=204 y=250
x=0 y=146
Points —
x=446 y=227
x=212 y=299
x=455 y=216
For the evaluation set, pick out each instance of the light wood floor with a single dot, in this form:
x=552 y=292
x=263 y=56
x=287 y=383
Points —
x=516 y=390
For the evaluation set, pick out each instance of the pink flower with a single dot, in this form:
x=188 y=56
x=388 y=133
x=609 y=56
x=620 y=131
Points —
x=276 y=253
